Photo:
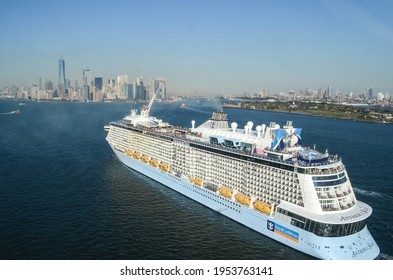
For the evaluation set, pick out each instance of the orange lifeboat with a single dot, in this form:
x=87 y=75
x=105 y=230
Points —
x=165 y=166
x=145 y=158
x=225 y=191
x=262 y=207
x=153 y=162
x=137 y=155
x=243 y=199
x=196 y=181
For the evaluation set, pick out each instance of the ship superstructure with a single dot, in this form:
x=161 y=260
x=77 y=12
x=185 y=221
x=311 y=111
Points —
x=263 y=178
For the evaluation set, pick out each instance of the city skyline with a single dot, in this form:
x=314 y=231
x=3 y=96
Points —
x=203 y=46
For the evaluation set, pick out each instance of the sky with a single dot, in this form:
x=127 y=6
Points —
x=204 y=46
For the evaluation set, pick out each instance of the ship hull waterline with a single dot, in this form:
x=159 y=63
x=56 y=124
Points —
x=359 y=246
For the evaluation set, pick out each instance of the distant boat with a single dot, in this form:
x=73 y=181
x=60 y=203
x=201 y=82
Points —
x=22 y=103
x=183 y=105
x=12 y=112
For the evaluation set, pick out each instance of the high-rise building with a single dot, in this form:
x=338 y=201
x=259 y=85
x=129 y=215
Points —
x=14 y=91
x=98 y=83
x=329 y=92
x=140 y=89
x=370 y=92
x=41 y=84
x=84 y=76
x=124 y=92
x=130 y=93
x=62 y=79
x=85 y=93
x=48 y=85
x=158 y=86
x=33 y=91
x=133 y=90
x=122 y=80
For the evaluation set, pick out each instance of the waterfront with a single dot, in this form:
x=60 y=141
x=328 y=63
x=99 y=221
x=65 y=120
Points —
x=346 y=111
x=64 y=195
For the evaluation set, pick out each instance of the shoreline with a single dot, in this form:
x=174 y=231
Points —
x=235 y=106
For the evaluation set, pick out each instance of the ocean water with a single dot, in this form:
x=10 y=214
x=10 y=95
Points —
x=64 y=195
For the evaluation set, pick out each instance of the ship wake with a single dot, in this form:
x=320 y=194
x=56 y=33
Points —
x=367 y=193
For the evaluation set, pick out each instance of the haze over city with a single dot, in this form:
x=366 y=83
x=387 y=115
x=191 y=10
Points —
x=215 y=47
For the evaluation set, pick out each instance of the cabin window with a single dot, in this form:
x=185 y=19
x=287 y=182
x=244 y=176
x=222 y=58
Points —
x=324 y=229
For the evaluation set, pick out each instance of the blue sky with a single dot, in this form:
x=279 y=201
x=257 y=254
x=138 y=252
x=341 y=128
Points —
x=211 y=46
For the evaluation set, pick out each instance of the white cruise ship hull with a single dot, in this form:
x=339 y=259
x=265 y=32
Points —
x=357 y=246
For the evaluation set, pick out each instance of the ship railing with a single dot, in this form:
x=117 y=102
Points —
x=237 y=151
x=331 y=158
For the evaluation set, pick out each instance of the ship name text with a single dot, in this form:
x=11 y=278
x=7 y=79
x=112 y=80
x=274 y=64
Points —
x=363 y=211
x=362 y=250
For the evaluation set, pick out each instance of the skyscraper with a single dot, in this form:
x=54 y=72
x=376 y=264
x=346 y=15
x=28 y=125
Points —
x=158 y=86
x=122 y=80
x=48 y=85
x=98 y=83
x=85 y=93
x=370 y=92
x=140 y=89
x=329 y=92
x=41 y=84
x=62 y=80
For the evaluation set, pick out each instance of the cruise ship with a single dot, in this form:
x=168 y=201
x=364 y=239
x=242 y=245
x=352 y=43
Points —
x=262 y=177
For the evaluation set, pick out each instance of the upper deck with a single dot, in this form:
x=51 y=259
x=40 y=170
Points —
x=271 y=145
x=237 y=144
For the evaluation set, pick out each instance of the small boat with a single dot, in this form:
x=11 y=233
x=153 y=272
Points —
x=153 y=162
x=165 y=166
x=196 y=181
x=225 y=191
x=243 y=199
x=262 y=206
x=137 y=155
x=145 y=158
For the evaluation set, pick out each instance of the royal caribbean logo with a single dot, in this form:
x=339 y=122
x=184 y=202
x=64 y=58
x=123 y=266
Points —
x=283 y=231
x=270 y=225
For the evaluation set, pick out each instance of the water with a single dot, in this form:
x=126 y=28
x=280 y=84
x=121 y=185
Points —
x=64 y=195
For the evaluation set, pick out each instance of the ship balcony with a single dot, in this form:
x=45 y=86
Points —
x=325 y=195
x=330 y=208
